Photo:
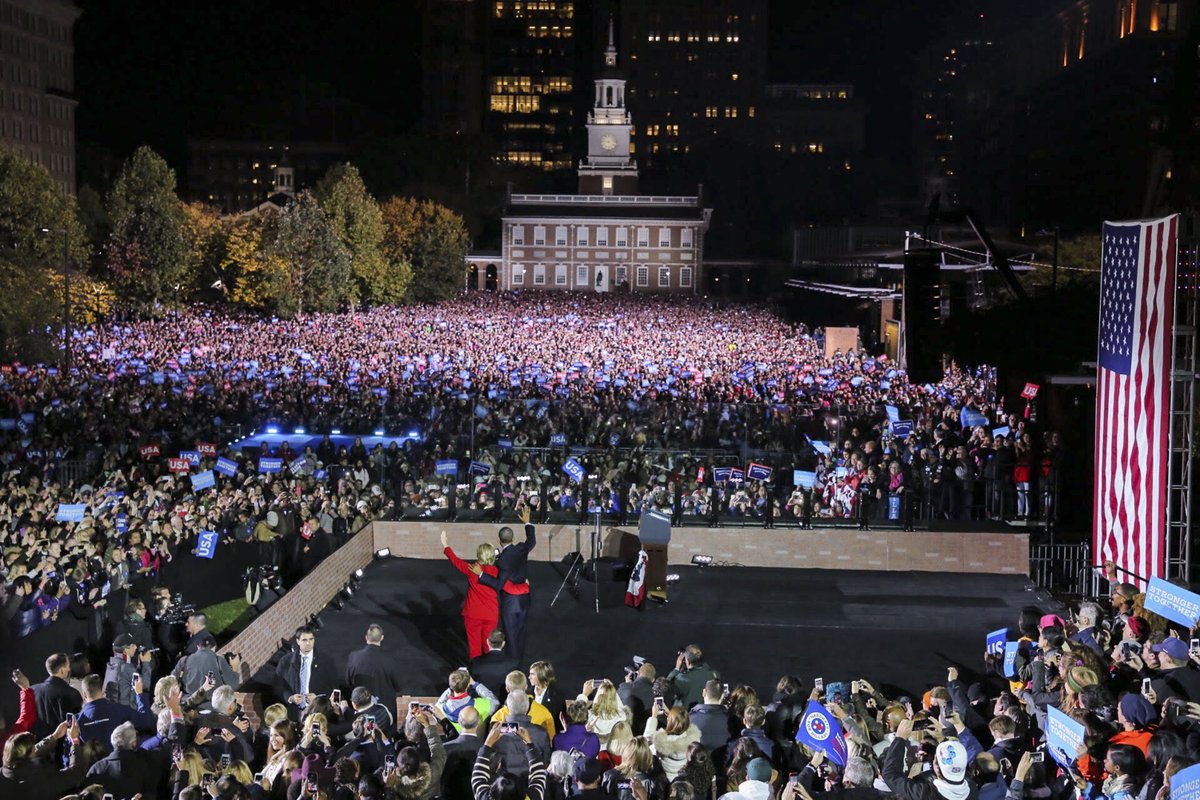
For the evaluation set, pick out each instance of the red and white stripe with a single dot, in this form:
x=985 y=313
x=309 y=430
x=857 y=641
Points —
x=1133 y=417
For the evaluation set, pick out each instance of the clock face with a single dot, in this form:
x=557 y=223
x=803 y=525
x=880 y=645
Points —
x=608 y=141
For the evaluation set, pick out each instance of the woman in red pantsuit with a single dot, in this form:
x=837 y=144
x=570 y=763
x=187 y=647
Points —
x=481 y=609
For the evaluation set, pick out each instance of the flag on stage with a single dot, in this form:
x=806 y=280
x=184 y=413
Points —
x=1133 y=393
x=635 y=593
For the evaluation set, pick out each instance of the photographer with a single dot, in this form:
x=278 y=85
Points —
x=194 y=669
x=128 y=667
x=134 y=625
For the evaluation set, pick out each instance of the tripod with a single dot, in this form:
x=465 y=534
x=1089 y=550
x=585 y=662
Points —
x=572 y=577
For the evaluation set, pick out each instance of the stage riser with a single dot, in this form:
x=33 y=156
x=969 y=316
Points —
x=821 y=548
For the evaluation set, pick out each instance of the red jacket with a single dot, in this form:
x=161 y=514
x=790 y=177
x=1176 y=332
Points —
x=482 y=601
x=25 y=720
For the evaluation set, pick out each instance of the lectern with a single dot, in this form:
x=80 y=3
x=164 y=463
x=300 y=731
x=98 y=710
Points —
x=654 y=530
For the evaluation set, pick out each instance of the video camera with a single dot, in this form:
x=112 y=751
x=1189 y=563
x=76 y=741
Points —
x=176 y=613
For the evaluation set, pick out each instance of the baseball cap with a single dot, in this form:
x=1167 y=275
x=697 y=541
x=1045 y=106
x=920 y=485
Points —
x=587 y=770
x=1050 y=620
x=1175 y=648
x=952 y=759
x=123 y=641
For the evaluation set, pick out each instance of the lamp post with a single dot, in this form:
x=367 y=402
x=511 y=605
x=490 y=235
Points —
x=66 y=271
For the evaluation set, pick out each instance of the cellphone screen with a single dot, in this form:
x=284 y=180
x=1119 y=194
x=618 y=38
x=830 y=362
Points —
x=1145 y=685
x=819 y=683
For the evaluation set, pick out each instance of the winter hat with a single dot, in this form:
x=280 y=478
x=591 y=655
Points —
x=1079 y=678
x=1138 y=627
x=587 y=770
x=1137 y=710
x=272 y=519
x=759 y=769
x=1051 y=620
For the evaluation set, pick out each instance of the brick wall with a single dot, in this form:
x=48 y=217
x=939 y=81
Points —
x=828 y=548
x=259 y=641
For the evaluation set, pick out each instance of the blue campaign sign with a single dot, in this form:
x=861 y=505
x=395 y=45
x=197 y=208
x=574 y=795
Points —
x=558 y=440
x=736 y=475
x=480 y=468
x=820 y=730
x=614 y=439
x=971 y=418
x=996 y=641
x=804 y=479
x=203 y=480
x=1003 y=430
x=721 y=474
x=1010 y=659
x=270 y=465
x=297 y=464
x=820 y=447
x=122 y=522
x=1064 y=737
x=758 y=472
x=902 y=428
x=1185 y=784
x=574 y=470
x=192 y=457
x=206 y=545
x=893 y=413
x=1170 y=601
x=446 y=467
x=70 y=512
x=226 y=466
x=320 y=474
x=505 y=444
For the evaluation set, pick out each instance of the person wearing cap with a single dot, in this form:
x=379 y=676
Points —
x=266 y=533
x=1175 y=678
x=587 y=772
x=125 y=668
x=757 y=785
x=946 y=781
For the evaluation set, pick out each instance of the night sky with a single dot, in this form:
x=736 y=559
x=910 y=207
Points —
x=156 y=73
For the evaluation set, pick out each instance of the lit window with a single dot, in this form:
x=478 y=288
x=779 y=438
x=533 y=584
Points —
x=539 y=236
x=664 y=277
x=664 y=237
x=733 y=77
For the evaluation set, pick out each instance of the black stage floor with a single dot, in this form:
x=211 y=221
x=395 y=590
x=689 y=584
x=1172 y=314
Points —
x=898 y=630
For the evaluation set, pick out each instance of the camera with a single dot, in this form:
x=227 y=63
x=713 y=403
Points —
x=509 y=728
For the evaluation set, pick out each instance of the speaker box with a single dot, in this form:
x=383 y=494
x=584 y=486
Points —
x=922 y=315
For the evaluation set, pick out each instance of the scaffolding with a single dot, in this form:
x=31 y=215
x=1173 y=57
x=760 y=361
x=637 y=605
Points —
x=1183 y=409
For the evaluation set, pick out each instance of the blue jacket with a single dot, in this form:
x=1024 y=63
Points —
x=578 y=737
x=99 y=718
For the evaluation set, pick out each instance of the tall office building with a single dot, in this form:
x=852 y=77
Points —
x=697 y=71
x=452 y=67
x=37 y=84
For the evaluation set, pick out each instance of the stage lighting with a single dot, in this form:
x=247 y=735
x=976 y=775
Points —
x=702 y=560
x=384 y=553
x=379 y=431
x=272 y=429
x=672 y=578
x=299 y=430
x=336 y=431
x=358 y=573
x=413 y=434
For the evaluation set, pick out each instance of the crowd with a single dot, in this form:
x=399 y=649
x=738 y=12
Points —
x=677 y=731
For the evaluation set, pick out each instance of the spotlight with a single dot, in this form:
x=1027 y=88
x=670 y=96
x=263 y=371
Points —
x=299 y=430
x=384 y=553
x=413 y=434
x=358 y=573
x=672 y=578
x=272 y=429
x=314 y=622
x=702 y=560
x=336 y=431
x=379 y=431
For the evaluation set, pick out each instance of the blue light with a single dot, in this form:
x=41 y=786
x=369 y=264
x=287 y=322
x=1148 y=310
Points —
x=299 y=430
x=272 y=429
x=379 y=431
x=413 y=434
x=336 y=431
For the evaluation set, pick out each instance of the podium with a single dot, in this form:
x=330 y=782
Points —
x=654 y=530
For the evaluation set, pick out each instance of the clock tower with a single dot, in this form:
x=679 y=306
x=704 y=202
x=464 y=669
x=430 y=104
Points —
x=608 y=168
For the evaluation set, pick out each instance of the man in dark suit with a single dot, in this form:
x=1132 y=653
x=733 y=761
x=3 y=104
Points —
x=55 y=697
x=369 y=666
x=302 y=675
x=460 y=757
x=512 y=563
x=493 y=667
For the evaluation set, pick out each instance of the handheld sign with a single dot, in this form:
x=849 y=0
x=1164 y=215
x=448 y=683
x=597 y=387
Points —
x=758 y=472
x=206 y=449
x=721 y=474
x=736 y=475
x=804 y=478
x=150 y=451
x=1010 y=659
x=179 y=465
x=72 y=512
x=206 y=545
x=1185 y=784
x=996 y=641
x=1030 y=391
x=226 y=466
x=446 y=467
x=203 y=480
x=480 y=468
x=297 y=464
x=820 y=730
x=902 y=428
x=1064 y=737
x=1170 y=601
x=574 y=470
x=191 y=456
x=558 y=440
x=270 y=465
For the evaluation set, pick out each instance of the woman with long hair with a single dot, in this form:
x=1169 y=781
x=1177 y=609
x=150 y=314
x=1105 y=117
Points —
x=637 y=764
x=281 y=742
x=672 y=742
x=607 y=710
x=481 y=609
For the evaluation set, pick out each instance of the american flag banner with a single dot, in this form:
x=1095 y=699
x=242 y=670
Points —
x=1133 y=394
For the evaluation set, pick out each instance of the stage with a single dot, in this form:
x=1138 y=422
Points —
x=898 y=629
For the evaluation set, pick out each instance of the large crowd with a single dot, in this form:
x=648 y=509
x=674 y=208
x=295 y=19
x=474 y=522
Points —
x=667 y=405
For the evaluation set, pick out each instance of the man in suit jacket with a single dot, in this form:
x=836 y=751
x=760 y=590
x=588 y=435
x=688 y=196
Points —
x=369 y=666
x=302 y=675
x=460 y=757
x=55 y=698
x=493 y=667
x=512 y=563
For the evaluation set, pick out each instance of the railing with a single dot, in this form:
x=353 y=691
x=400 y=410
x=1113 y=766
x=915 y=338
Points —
x=601 y=199
x=1064 y=568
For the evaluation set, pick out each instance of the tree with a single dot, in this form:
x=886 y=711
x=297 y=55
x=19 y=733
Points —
x=356 y=218
x=433 y=239
x=146 y=253
x=36 y=220
x=205 y=233
x=248 y=269
x=313 y=267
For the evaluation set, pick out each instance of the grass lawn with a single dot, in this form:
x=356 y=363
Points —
x=227 y=619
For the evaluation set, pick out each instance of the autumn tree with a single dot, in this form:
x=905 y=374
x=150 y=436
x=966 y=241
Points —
x=205 y=233
x=40 y=235
x=433 y=239
x=146 y=253
x=358 y=222
x=313 y=266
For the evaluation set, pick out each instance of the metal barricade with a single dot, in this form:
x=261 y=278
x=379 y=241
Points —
x=1063 y=568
